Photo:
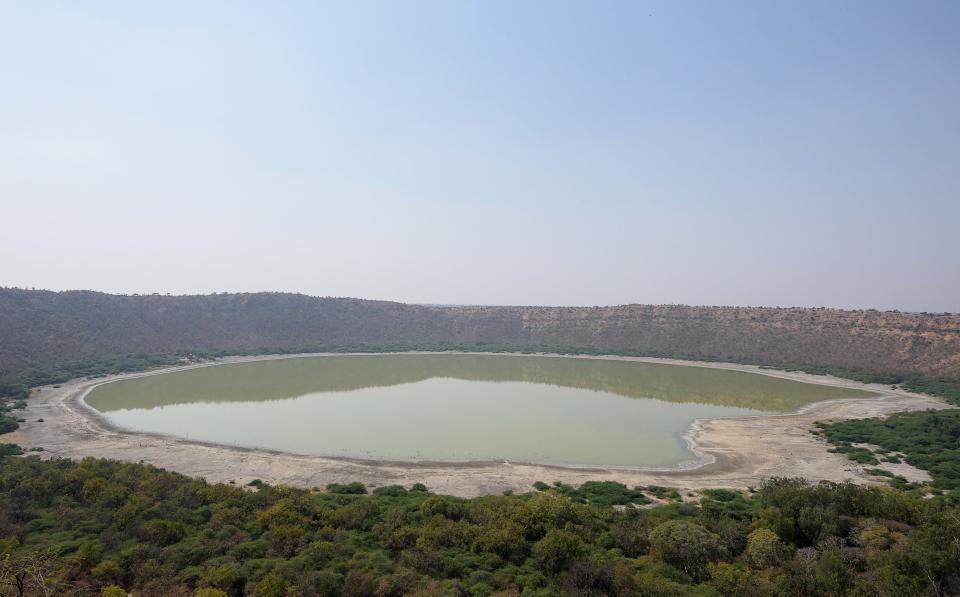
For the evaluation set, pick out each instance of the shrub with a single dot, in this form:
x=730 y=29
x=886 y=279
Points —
x=354 y=488
x=391 y=491
x=10 y=450
x=8 y=424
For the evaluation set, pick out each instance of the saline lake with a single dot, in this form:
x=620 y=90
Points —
x=452 y=407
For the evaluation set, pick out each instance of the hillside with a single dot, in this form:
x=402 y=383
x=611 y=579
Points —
x=40 y=330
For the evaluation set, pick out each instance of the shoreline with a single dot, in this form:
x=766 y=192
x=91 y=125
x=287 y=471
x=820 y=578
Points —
x=736 y=452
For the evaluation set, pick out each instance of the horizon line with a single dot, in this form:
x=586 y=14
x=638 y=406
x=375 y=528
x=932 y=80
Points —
x=444 y=305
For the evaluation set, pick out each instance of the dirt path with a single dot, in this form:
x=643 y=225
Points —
x=734 y=452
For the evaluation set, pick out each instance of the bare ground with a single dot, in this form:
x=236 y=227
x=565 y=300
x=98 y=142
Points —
x=732 y=452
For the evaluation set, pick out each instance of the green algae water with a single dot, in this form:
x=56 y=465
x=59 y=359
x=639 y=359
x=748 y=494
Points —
x=452 y=407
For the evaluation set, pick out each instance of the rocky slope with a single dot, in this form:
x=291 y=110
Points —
x=42 y=329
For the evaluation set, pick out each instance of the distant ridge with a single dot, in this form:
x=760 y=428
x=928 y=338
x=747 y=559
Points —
x=44 y=329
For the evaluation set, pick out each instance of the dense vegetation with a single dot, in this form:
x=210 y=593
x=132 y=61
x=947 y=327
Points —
x=102 y=527
x=929 y=440
x=49 y=336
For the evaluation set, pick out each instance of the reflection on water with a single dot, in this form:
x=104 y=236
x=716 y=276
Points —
x=452 y=407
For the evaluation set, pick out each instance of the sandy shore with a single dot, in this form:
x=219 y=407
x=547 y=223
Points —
x=732 y=452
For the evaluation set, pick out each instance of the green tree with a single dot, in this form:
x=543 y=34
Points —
x=729 y=579
x=632 y=535
x=114 y=591
x=272 y=585
x=832 y=573
x=556 y=550
x=764 y=549
x=936 y=546
x=89 y=554
x=686 y=545
x=225 y=576
x=107 y=571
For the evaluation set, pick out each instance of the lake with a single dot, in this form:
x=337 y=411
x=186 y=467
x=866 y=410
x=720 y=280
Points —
x=452 y=407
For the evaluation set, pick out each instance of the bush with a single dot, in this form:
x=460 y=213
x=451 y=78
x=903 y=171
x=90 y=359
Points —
x=8 y=424
x=10 y=450
x=354 y=488
x=391 y=491
x=608 y=493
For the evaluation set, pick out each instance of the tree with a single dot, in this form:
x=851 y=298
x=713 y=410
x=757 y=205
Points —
x=764 y=549
x=632 y=535
x=832 y=573
x=686 y=545
x=88 y=554
x=28 y=574
x=272 y=585
x=115 y=591
x=556 y=550
x=936 y=546
x=107 y=571
x=729 y=579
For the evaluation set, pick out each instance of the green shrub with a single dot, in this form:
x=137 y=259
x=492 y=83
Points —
x=391 y=491
x=347 y=488
x=8 y=424
x=10 y=450
x=927 y=439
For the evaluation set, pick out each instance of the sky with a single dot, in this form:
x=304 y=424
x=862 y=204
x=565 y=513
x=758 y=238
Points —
x=492 y=152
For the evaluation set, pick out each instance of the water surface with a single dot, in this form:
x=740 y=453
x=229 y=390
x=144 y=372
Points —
x=550 y=410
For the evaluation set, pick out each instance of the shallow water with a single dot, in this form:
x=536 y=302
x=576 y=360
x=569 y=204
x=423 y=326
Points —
x=550 y=410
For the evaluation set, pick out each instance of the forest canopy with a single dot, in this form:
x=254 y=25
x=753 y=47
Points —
x=100 y=527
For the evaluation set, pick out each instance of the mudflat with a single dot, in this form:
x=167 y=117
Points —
x=735 y=452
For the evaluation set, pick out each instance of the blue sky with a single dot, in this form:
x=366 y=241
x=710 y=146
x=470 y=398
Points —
x=565 y=153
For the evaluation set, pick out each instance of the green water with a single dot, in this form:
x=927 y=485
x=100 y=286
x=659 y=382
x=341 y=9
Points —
x=550 y=410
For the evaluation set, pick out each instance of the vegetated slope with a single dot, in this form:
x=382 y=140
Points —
x=109 y=528
x=43 y=329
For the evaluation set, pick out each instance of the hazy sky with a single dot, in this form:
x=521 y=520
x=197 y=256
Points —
x=774 y=153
